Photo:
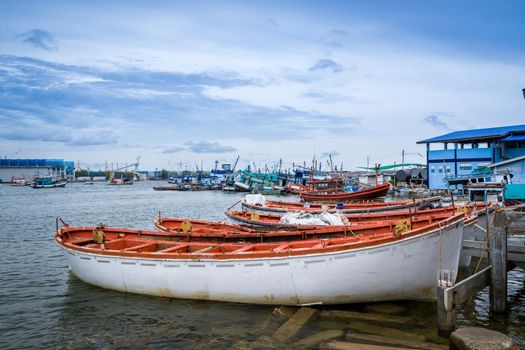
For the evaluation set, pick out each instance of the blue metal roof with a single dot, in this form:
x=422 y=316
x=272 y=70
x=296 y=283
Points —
x=514 y=138
x=476 y=134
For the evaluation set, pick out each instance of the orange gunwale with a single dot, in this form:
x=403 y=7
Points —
x=127 y=243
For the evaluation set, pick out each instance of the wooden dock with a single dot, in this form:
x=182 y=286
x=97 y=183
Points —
x=502 y=256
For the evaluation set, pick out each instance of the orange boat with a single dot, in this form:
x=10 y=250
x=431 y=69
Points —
x=359 y=207
x=273 y=220
x=328 y=196
x=355 y=268
x=268 y=227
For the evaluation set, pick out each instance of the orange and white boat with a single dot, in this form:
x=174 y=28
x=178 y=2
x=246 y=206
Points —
x=261 y=204
x=387 y=265
x=278 y=220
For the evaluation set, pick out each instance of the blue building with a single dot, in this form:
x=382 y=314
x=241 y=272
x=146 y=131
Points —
x=461 y=155
x=30 y=168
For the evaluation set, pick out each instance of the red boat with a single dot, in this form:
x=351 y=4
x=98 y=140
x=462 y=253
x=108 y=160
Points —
x=369 y=193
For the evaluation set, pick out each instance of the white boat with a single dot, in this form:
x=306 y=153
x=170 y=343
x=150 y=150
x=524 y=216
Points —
x=319 y=271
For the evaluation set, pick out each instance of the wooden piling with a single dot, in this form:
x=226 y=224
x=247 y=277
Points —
x=446 y=313
x=498 y=261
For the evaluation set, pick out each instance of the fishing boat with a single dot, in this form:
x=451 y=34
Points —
x=261 y=204
x=329 y=196
x=393 y=265
x=48 y=182
x=296 y=188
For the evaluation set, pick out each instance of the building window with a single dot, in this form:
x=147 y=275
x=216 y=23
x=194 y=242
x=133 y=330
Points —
x=432 y=169
x=448 y=170
x=482 y=164
x=465 y=166
x=440 y=169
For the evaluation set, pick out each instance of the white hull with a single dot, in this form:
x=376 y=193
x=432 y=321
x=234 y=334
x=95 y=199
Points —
x=404 y=270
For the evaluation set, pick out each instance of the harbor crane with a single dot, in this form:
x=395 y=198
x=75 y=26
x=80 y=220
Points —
x=135 y=168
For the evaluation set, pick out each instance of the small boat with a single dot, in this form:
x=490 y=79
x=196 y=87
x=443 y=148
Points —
x=166 y=188
x=241 y=186
x=261 y=204
x=120 y=181
x=369 y=193
x=391 y=265
x=20 y=181
x=48 y=182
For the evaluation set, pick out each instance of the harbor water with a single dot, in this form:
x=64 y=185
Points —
x=43 y=305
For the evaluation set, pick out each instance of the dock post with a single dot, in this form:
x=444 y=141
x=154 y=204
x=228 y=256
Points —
x=498 y=261
x=446 y=318
x=446 y=313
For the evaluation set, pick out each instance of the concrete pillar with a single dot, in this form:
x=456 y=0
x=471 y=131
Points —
x=498 y=260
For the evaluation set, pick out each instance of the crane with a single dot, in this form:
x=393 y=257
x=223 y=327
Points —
x=135 y=169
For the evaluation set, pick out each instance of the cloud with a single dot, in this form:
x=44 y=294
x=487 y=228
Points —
x=201 y=147
x=208 y=147
x=435 y=121
x=82 y=98
x=40 y=39
x=174 y=149
x=334 y=38
x=273 y=22
x=327 y=64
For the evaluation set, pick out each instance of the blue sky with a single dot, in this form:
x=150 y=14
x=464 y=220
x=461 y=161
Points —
x=198 y=81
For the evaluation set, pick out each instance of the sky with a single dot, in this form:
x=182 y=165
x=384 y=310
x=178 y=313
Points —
x=182 y=84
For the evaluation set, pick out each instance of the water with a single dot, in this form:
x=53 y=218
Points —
x=42 y=305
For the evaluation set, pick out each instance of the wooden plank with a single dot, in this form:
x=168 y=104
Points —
x=498 y=261
x=343 y=345
x=313 y=340
x=363 y=316
x=294 y=325
x=465 y=289
x=381 y=339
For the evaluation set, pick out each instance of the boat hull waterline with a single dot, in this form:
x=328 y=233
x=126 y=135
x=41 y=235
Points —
x=404 y=269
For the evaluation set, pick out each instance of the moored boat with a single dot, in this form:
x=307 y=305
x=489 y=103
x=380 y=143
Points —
x=261 y=204
x=120 y=181
x=48 y=182
x=20 y=181
x=278 y=220
x=380 y=267
x=329 y=196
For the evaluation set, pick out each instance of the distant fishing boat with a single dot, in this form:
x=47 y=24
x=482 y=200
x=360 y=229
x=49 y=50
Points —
x=296 y=188
x=48 y=182
x=369 y=193
x=394 y=265
x=20 y=181
x=120 y=181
